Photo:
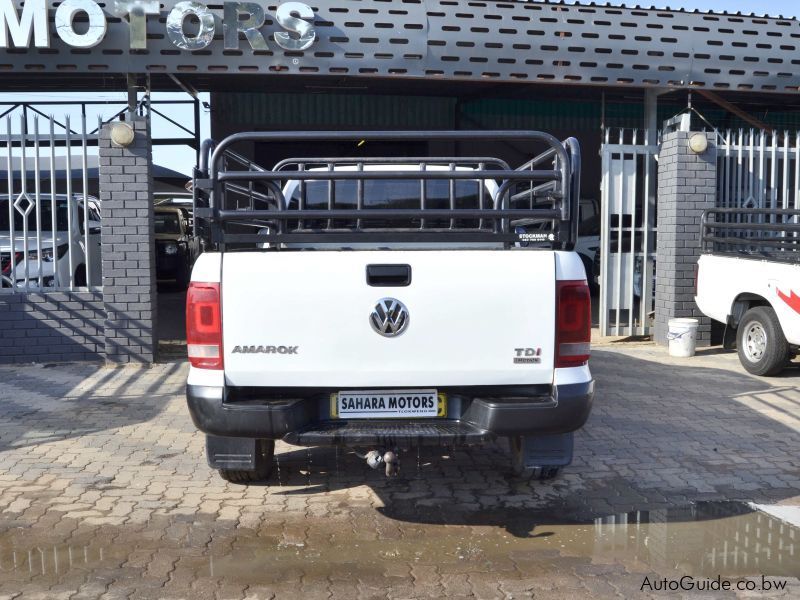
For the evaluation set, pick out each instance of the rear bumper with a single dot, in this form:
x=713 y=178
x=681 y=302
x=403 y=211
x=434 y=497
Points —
x=474 y=415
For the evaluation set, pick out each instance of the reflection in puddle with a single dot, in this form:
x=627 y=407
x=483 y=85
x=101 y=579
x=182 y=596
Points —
x=51 y=560
x=702 y=540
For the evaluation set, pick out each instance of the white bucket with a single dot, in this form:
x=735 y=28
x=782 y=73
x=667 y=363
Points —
x=682 y=337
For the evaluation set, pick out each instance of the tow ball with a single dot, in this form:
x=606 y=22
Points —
x=390 y=459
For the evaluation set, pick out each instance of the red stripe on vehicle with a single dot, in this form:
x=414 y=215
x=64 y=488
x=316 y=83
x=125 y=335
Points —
x=793 y=300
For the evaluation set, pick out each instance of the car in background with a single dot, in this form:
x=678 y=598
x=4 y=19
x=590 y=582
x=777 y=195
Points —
x=64 y=255
x=588 y=244
x=176 y=247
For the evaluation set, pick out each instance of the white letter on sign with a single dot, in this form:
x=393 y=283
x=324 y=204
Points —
x=232 y=24
x=137 y=11
x=285 y=16
x=65 y=14
x=175 y=21
x=33 y=20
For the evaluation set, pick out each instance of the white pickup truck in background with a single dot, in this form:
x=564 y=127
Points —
x=749 y=278
x=384 y=304
x=55 y=253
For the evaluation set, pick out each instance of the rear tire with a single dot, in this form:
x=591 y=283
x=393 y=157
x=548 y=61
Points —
x=80 y=276
x=265 y=450
x=762 y=347
x=182 y=277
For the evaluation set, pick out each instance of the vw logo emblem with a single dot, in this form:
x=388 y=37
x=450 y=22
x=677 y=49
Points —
x=390 y=317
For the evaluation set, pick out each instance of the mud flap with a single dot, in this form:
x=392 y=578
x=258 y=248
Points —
x=547 y=450
x=231 y=452
x=729 y=337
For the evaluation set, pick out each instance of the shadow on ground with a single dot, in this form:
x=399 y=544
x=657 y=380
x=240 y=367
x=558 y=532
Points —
x=40 y=404
x=659 y=436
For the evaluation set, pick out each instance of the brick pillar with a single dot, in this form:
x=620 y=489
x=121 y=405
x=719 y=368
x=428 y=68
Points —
x=128 y=243
x=687 y=185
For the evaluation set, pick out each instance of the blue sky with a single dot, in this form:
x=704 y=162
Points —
x=786 y=8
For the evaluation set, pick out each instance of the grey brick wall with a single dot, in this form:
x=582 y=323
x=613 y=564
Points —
x=687 y=185
x=52 y=326
x=129 y=280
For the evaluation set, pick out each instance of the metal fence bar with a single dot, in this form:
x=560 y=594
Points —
x=762 y=169
x=12 y=252
x=649 y=230
x=620 y=198
x=24 y=199
x=785 y=186
x=53 y=208
x=70 y=225
x=631 y=198
x=605 y=238
x=647 y=275
x=38 y=195
x=85 y=184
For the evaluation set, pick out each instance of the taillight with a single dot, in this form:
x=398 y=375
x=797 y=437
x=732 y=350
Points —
x=573 y=323
x=204 y=325
x=8 y=263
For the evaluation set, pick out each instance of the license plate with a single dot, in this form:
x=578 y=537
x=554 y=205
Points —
x=388 y=404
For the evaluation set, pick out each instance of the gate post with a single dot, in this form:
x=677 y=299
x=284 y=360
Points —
x=687 y=185
x=128 y=243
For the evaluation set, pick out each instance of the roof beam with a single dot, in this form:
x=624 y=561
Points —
x=732 y=108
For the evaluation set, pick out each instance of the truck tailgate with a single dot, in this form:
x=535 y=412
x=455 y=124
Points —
x=302 y=318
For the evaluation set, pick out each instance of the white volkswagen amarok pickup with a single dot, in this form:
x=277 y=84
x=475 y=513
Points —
x=382 y=304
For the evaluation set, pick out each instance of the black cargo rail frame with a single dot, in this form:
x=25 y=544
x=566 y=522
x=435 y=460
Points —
x=556 y=190
x=763 y=233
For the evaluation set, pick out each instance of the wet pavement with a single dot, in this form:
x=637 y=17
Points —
x=104 y=492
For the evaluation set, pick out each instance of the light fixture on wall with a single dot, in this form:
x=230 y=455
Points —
x=698 y=143
x=122 y=134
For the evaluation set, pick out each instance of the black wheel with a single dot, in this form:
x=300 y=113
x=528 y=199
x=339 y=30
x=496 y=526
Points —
x=182 y=278
x=265 y=450
x=762 y=347
x=80 y=276
x=522 y=471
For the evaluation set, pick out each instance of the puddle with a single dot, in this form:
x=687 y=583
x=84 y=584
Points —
x=701 y=540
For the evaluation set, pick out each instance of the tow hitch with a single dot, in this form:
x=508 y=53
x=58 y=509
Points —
x=390 y=459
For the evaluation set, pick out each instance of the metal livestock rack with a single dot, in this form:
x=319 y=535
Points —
x=240 y=204
x=764 y=233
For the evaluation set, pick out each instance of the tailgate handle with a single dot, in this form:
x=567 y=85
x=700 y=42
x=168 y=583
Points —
x=388 y=275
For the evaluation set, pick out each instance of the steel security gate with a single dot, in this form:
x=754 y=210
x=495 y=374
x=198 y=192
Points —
x=757 y=169
x=627 y=233
x=49 y=220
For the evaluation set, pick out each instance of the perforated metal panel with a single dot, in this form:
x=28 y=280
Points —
x=501 y=41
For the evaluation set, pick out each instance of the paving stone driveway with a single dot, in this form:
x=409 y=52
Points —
x=105 y=492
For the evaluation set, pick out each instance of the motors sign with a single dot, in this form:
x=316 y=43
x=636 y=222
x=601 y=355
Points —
x=30 y=23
